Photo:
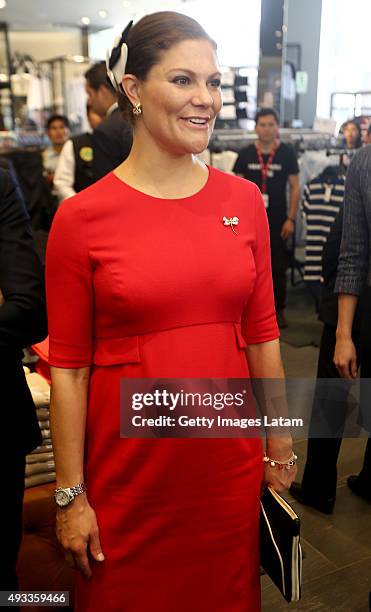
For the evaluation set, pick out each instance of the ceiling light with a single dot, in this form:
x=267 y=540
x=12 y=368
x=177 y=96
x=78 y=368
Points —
x=103 y=14
x=2 y=4
x=85 y=20
x=126 y=3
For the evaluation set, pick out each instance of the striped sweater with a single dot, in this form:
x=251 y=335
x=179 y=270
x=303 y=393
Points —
x=321 y=203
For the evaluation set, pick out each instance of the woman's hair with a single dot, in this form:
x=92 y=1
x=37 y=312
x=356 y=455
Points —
x=149 y=39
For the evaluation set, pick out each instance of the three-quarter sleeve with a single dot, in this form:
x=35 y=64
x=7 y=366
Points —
x=259 y=316
x=69 y=289
x=354 y=250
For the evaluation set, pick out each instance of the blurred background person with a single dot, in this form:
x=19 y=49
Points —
x=272 y=165
x=74 y=170
x=330 y=409
x=113 y=138
x=58 y=130
x=368 y=136
x=351 y=132
x=353 y=281
x=22 y=322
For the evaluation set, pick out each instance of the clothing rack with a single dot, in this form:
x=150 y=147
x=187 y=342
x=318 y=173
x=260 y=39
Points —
x=302 y=139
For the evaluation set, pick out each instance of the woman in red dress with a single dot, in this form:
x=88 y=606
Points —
x=145 y=280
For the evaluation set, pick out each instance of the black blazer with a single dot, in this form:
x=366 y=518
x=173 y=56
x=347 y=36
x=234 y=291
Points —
x=112 y=142
x=22 y=318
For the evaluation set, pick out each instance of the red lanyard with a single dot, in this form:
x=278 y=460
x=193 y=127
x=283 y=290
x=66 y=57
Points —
x=265 y=167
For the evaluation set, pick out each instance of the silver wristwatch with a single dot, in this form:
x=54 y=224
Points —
x=63 y=497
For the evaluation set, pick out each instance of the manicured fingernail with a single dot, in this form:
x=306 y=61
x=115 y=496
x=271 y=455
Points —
x=100 y=557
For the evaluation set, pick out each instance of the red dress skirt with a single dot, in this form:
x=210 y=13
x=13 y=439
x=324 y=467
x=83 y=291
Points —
x=147 y=287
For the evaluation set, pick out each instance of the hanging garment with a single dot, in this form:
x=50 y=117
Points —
x=322 y=199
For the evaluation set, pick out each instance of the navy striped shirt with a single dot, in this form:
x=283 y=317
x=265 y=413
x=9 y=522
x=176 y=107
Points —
x=321 y=204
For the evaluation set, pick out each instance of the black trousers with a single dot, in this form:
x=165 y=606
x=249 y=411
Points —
x=365 y=473
x=320 y=473
x=12 y=501
x=280 y=261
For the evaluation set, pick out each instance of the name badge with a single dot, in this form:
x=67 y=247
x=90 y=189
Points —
x=265 y=199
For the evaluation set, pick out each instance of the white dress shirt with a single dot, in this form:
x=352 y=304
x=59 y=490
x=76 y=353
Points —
x=64 y=177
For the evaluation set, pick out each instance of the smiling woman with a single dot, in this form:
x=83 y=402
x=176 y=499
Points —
x=172 y=75
x=156 y=285
x=180 y=98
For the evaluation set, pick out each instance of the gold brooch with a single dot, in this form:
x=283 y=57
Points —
x=231 y=221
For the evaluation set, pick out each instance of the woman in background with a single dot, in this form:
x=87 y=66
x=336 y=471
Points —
x=351 y=137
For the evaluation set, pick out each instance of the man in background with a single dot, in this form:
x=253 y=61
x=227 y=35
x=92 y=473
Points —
x=75 y=165
x=58 y=130
x=272 y=165
x=22 y=322
x=113 y=138
x=353 y=282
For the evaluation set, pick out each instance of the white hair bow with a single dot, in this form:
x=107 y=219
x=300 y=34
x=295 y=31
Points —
x=117 y=71
x=116 y=58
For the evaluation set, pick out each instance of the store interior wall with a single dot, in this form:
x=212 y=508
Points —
x=46 y=45
x=304 y=27
x=237 y=38
x=344 y=58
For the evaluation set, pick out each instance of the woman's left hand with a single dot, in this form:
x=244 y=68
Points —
x=279 y=480
x=279 y=449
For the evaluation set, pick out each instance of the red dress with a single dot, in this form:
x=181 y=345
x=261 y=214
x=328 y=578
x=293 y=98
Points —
x=146 y=287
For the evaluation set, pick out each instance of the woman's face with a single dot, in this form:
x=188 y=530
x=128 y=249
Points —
x=181 y=97
x=350 y=134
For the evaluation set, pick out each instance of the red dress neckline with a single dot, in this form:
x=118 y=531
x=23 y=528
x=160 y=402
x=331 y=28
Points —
x=200 y=193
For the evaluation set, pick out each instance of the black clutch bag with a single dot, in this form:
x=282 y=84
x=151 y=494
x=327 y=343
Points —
x=280 y=550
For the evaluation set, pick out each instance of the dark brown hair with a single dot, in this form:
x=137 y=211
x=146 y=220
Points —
x=62 y=118
x=265 y=112
x=148 y=40
x=96 y=77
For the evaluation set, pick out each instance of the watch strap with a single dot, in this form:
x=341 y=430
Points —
x=78 y=489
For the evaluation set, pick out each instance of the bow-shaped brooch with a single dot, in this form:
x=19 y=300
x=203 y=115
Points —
x=231 y=221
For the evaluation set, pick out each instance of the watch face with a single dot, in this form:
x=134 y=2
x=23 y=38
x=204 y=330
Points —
x=62 y=498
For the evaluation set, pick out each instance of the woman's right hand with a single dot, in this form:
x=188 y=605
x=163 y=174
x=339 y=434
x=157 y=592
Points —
x=345 y=357
x=78 y=533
